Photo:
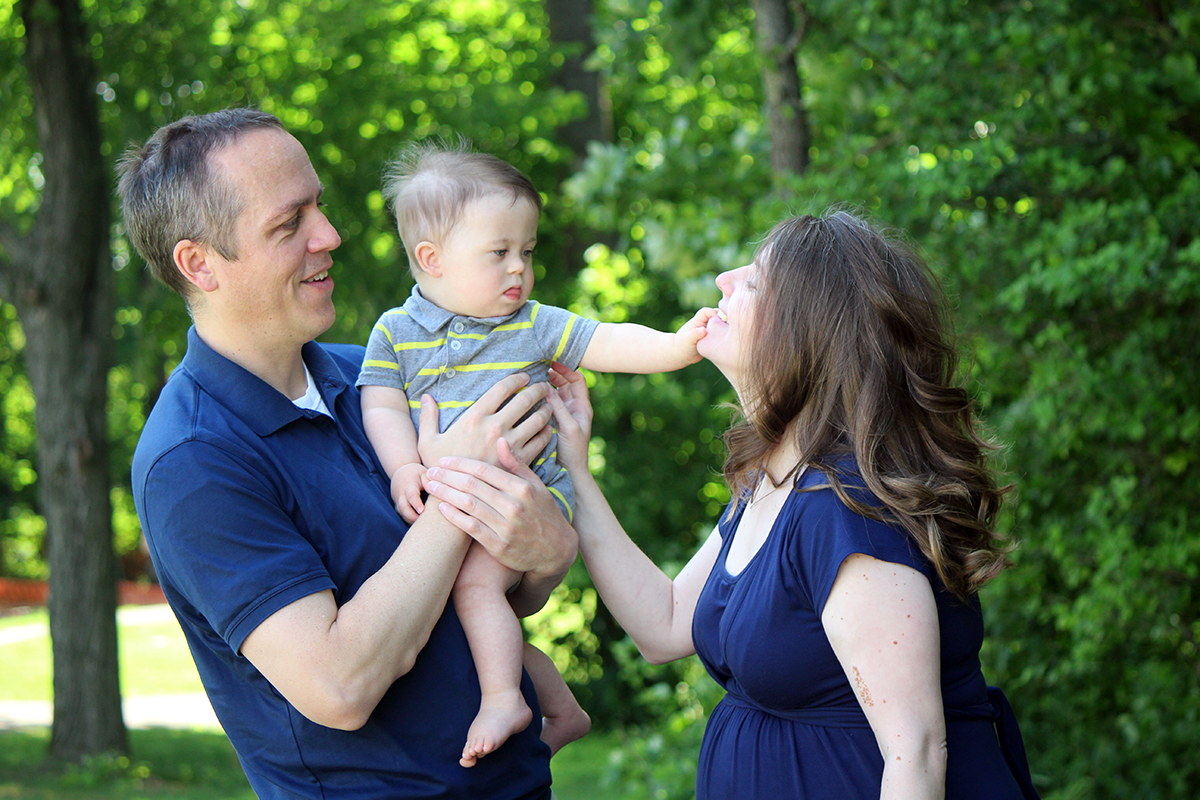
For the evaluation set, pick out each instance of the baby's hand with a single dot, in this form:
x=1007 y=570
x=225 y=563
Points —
x=687 y=337
x=406 y=491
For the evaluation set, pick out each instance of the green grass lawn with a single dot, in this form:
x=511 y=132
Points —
x=200 y=765
x=154 y=656
x=178 y=764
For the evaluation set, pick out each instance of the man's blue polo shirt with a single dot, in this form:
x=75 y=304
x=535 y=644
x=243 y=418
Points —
x=249 y=503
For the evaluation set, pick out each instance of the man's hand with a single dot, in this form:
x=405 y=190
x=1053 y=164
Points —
x=474 y=435
x=512 y=514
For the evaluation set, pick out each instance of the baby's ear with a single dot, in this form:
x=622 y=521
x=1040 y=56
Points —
x=426 y=254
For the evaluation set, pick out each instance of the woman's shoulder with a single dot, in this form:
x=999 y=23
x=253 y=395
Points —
x=818 y=481
x=829 y=528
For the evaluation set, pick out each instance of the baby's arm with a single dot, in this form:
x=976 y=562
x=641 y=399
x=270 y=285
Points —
x=629 y=347
x=390 y=430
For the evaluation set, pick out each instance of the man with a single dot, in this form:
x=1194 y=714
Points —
x=316 y=617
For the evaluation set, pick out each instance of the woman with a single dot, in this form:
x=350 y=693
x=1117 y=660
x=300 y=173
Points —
x=836 y=601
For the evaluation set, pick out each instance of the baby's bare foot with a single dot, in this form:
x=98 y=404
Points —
x=500 y=715
x=562 y=730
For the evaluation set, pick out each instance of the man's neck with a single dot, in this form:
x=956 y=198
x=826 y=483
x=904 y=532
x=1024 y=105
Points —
x=280 y=366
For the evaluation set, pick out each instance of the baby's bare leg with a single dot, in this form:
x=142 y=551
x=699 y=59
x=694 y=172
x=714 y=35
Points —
x=563 y=719
x=494 y=634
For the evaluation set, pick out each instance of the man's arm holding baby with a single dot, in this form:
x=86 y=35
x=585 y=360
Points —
x=334 y=663
x=631 y=348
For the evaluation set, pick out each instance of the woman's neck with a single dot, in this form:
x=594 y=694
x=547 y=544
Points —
x=782 y=460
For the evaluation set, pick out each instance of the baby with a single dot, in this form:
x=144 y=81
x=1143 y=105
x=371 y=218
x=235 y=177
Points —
x=469 y=225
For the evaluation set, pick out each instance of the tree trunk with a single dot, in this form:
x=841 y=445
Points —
x=780 y=32
x=60 y=281
x=570 y=23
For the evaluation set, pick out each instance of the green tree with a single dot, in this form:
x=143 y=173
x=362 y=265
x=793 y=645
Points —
x=54 y=269
x=353 y=80
x=1052 y=163
x=1045 y=157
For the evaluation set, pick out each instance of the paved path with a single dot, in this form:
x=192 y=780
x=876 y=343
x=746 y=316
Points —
x=158 y=711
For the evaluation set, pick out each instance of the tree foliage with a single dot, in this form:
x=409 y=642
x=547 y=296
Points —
x=1045 y=156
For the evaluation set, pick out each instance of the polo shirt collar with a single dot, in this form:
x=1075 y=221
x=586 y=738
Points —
x=251 y=399
x=433 y=317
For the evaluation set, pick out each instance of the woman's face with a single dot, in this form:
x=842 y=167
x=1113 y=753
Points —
x=730 y=332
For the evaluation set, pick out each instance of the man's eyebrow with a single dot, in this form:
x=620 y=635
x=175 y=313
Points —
x=286 y=210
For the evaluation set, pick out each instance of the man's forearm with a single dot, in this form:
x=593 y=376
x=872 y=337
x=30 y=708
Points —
x=335 y=663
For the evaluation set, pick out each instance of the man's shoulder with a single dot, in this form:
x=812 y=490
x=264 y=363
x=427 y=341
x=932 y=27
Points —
x=172 y=422
x=348 y=357
x=192 y=416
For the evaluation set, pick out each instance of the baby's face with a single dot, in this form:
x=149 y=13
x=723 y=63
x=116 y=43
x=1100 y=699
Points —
x=485 y=264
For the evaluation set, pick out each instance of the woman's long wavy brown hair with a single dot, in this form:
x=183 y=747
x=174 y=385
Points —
x=853 y=357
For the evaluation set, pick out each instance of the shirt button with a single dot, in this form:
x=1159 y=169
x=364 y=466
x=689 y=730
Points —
x=450 y=372
x=458 y=326
x=455 y=345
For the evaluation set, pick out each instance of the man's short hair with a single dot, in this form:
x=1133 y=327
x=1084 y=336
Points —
x=169 y=192
x=428 y=184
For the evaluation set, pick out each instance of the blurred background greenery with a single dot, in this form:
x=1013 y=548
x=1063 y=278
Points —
x=1045 y=156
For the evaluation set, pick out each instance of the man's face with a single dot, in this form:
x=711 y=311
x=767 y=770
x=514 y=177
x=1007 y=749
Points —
x=278 y=292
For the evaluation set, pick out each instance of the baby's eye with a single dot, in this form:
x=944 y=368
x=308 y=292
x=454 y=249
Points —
x=527 y=253
x=501 y=253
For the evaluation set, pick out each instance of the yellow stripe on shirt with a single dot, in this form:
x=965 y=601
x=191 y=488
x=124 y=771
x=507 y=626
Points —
x=397 y=347
x=562 y=342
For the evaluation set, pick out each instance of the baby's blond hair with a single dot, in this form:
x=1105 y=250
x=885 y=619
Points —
x=428 y=184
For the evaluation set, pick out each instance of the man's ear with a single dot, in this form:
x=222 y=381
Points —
x=191 y=259
x=426 y=253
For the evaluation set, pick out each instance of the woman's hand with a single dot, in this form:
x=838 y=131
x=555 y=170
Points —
x=474 y=435
x=573 y=415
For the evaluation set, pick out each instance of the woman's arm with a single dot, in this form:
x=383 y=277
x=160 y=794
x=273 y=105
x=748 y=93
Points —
x=655 y=610
x=882 y=622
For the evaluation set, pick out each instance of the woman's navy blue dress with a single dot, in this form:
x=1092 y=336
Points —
x=790 y=725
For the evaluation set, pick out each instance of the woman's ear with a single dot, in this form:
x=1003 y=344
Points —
x=192 y=259
x=426 y=253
